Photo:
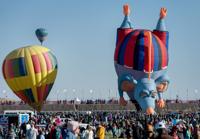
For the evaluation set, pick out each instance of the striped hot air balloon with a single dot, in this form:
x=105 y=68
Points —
x=30 y=72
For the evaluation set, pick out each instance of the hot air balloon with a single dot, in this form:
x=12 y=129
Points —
x=41 y=34
x=141 y=61
x=30 y=72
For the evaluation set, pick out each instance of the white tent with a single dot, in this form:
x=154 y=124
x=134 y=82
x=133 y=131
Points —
x=77 y=101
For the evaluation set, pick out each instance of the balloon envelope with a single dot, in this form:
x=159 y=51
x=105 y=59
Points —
x=30 y=72
x=41 y=34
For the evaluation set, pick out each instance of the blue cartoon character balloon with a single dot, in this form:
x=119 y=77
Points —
x=141 y=60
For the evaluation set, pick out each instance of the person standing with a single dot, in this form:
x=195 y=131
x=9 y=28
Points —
x=174 y=132
x=197 y=132
x=41 y=133
x=32 y=132
x=11 y=134
x=72 y=130
x=114 y=130
x=150 y=132
x=89 y=133
x=2 y=135
x=101 y=131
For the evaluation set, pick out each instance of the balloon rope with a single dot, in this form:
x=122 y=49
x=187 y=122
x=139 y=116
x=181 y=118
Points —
x=149 y=53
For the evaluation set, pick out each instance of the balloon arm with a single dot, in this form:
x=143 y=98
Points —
x=119 y=86
x=161 y=103
x=161 y=21
x=159 y=95
x=126 y=23
x=161 y=25
x=120 y=92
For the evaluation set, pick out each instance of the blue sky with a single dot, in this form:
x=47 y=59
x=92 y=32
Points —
x=82 y=36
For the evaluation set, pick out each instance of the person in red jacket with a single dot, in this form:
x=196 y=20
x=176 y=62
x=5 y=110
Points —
x=55 y=132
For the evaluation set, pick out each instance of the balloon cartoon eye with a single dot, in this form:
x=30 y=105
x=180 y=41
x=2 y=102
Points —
x=144 y=94
x=161 y=87
x=153 y=94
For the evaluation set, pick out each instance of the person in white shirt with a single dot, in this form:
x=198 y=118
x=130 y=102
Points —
x=89 y=134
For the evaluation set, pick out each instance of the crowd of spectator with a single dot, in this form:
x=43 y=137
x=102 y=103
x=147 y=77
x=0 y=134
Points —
x=106 y=125
x=89 y=101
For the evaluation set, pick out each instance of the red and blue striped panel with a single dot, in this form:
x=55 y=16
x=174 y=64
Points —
x=16 y=68
x=163 y=36
x=121 y=34
x=133 y=51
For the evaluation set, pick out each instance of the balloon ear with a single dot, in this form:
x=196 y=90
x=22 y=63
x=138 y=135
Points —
x=162 y=83
x=162 y=87
x=127 y=83
x=127 y=86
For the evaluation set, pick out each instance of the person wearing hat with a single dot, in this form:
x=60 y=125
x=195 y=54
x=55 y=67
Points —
x=72 y=130
x=162 y=131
